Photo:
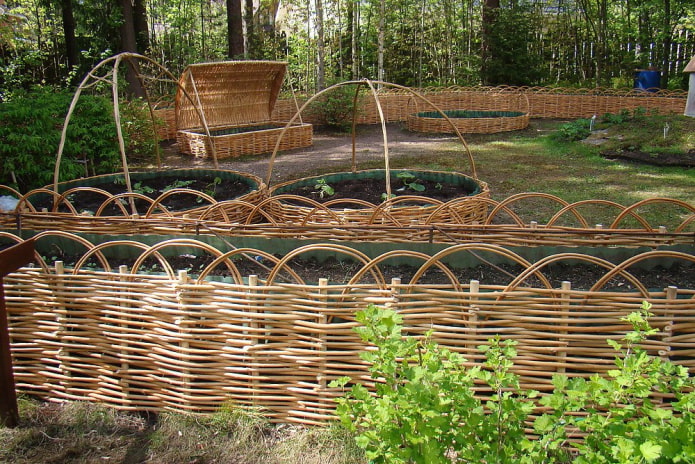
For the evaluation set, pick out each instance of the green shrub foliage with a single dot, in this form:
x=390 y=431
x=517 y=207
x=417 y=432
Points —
x=425 y=410
x=30 y=135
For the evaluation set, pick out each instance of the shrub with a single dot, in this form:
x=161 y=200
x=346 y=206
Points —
x=424 y=409
x=31 y=131
x=573 y=131
x=335 y=107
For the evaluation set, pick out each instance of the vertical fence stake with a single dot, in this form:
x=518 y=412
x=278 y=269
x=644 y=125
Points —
x=11 y=259
x=671 y=295
x=63 y=355
x=321 y=379
x=254 y=333
x=566 y=287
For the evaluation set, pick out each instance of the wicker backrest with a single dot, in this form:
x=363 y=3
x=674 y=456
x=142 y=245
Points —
x=228 y=93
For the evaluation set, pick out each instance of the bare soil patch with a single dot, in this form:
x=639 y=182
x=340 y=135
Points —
x=686 y=159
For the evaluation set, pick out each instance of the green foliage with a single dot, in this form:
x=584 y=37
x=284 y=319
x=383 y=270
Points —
x=31 y=131
x=335 y=107
x=617 y=412
x=323 y=188
x=573 y=131
x=510 y=60
x=410 y=181
x=424 y=408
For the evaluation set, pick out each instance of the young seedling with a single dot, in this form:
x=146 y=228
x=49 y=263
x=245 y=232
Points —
x=323 y=188
x=410 y=181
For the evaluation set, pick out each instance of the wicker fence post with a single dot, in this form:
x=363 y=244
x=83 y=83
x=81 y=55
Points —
x=323 y=349
x=254 y=337
x=671 y=295
x=63 y=355
x=566 y=287
x=125 y=367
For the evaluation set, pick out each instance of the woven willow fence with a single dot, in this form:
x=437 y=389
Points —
x=141 y=341
x=544 y=102
x=584 y=223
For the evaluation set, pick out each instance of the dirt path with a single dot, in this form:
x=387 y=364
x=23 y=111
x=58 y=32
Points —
x=329 y=150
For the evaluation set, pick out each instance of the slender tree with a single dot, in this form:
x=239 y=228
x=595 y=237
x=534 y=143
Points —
x=235 y=29
x=320 y=47
x=129 y=44
x=69 y=26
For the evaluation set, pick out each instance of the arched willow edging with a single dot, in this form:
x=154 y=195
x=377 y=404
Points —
x=140 y=341
x=160 y=203
x=394 y=209
x=575 y=224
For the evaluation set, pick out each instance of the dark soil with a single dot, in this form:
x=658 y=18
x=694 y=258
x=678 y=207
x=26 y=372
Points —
x=582 y=276
x=374 y=190
x=662 y=159
x=226 y=189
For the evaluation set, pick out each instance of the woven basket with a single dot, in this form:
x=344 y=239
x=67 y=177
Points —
x=403 y=210
x=474 y=113
x=229 y=112
x=69 y=193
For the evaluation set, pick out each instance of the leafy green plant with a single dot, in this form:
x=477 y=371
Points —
x=323 y=188
x=410 y=181
x=573 y=131
x=617 y=413
x=335 y=108
x=211 y=188
x=424 y=409
x=31 y=130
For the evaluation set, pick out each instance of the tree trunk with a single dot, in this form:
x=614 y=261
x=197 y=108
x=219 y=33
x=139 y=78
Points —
x=665 y=74
x=381 y=39
x=129 y=44
x=142 y=38
x=490 y=10
x=69 y=31
x=235 y=29
x=248 y=20
x=320 y=47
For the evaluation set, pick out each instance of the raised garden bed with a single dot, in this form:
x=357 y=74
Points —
x=361 y=197
x=468 y=121
x=154 y=193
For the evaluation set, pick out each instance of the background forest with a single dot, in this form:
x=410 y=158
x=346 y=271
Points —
x=410 y=42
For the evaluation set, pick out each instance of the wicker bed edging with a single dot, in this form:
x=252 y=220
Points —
x=151 y=342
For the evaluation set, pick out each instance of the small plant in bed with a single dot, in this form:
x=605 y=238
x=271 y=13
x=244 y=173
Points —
x=219 y=188
x=371 y=188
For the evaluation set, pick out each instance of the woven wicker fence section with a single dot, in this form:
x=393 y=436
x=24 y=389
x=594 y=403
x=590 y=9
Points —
x=152 y=342
x=544 y=102
x=584 y=223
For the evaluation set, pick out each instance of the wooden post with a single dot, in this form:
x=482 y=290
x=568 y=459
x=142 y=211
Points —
x=11 y=259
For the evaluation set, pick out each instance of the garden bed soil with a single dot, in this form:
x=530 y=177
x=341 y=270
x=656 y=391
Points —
x=581 y=276
x=374 y=190
x=89 y=201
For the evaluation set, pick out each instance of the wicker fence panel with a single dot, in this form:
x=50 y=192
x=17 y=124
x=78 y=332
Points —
x=149 y=342
x=584 y=223
x=544 y=102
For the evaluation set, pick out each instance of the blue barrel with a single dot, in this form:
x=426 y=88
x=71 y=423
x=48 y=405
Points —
x=647 y=80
